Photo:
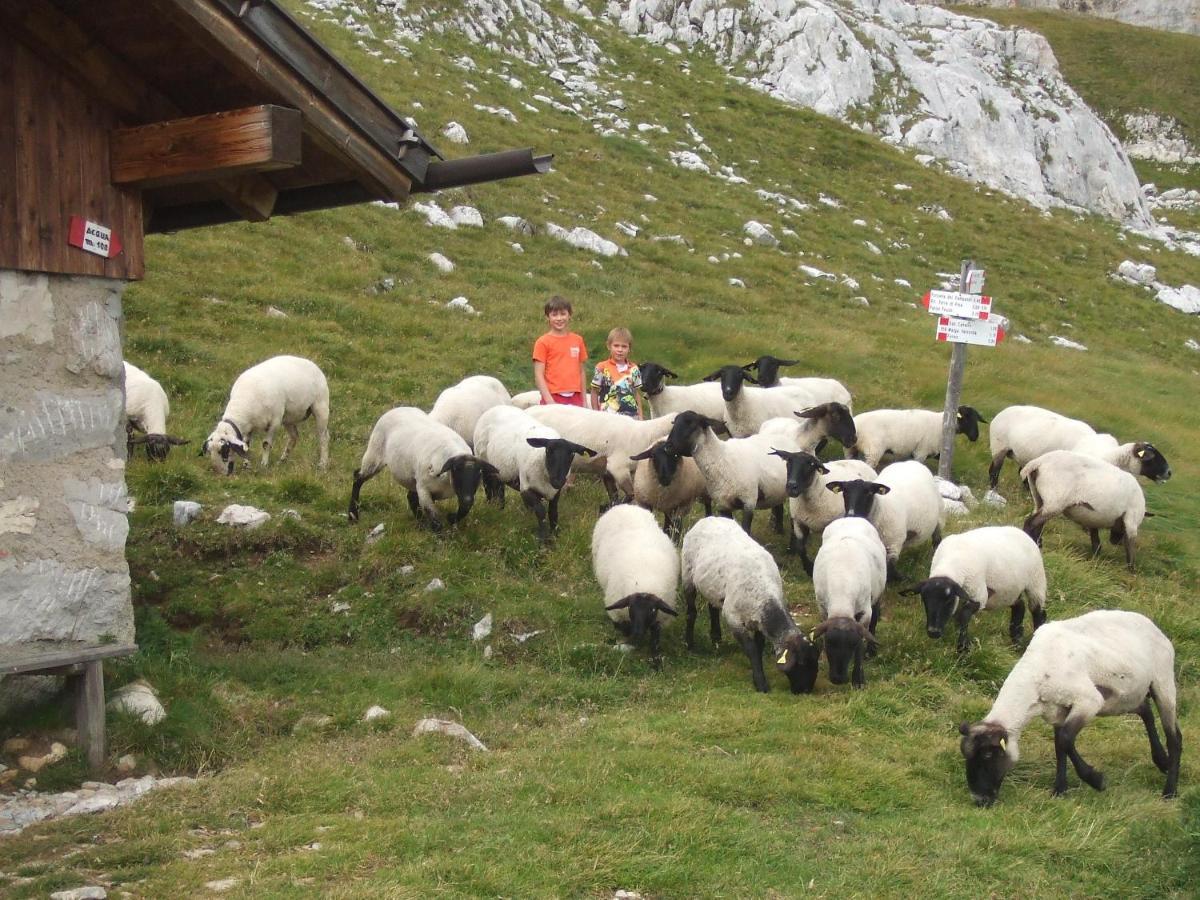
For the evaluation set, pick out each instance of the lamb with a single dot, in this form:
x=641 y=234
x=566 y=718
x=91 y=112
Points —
x=428 y=458
x=907 y=433
x=985 y=568
x=903 y=503
x=637 y=567
x=820 y=390
x=812 y=507
x=747 y=408
x=670 y=484
x=460 y=406
x=741 y=473
x=283 y=390
x=146 y=410
x=1090 y=492
x=664 y=399
x=614 y=438
x=1105 y=663
x=529 y=457
x=849 y=577
x=1026 y=432
x=740 y=580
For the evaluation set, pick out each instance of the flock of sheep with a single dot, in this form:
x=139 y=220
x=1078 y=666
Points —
x=745 y=439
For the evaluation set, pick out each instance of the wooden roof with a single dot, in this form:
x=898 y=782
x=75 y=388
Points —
x=229 y=109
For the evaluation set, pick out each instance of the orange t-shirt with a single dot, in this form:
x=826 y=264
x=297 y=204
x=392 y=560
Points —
x=563 y=356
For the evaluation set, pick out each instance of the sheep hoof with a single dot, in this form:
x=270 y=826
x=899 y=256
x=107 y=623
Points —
x=1095 y=780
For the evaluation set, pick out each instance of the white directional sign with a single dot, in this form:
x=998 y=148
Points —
x=975 y=281
x=985 y=333
x=953 y=303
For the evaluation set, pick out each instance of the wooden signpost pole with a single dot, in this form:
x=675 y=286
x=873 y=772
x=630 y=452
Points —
x=958 y=363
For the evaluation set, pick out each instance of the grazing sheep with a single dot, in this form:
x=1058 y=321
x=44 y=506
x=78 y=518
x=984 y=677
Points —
x=1090 y=492
x=907 y=433
x=283 y=390
x=664 y=399
x=1105 y=663
x=903 y=503
x=849 y=577
x=637 y=567
x=820 y=390
x=985 y=568
x=428 y=458
x=741 y=473
x=747 y=408
x=460 y=406
x=740 y=580
x=526 y=399
x=614 y=438
x=146 y=410
x=1026 y=432
x=812 y=507
x=670 y=484
x=529 y=457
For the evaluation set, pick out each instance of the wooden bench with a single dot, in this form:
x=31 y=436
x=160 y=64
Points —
x=83 y=664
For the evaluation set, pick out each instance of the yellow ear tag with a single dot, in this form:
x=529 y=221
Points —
x=959 y=416
x=782 y=659
x=1004 y=745
x=812 y=636
x=1141 y=454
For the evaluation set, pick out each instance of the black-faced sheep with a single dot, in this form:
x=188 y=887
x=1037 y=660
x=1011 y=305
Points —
x=146 y=410
x=849 y=577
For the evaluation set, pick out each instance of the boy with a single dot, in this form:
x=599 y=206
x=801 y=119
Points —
x=617 y=383
x=558 y=357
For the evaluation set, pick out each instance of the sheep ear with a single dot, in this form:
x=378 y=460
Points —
x=448 y=466
x=835 y=486
x=980 y=418
x=819 y=632
x=667 y=373
x=203 y=448
x=240 y=449
x=1004 y=744
x=814 y=412
x=177 y=442
x=662 y=607
x=786 y=661
x=880 y=489
x=717 y=425
x=750 y=366
x=866 y=635
x=751 y=379
x=821 y=468
x=914 y=590
x=715 y=376
x=486 y=467
x=1140 y=453
x=645 y=454
x=782 y=454
x=623 y=603
x=537 y=442
x=787 y=362
x=964 y=729
x=583 y=451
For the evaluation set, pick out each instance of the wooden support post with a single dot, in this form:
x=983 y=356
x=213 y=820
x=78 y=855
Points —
x=958 y=363
x=89 y=713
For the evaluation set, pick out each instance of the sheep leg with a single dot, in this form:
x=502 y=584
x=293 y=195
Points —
x=857 y=678
x=1016 y=618
x=610 y=485
x=747 y=518
x=655 y=640
x=893 y=574
x=777 y=518
x=714 y=625
x=1094 y=533
x=533 y=501
x=359 y=480
x=995 y=467
x=753 y=647
x=1064 y=747
x=872 y=649
x=267 y=442
x=1161 y=759
x=552 y=512
x=293 y=435
x=1035 y=523
x=964 y=619
x=1174 y=751
x=937 y=536
x=1128 y=552
x=707 y=501
x=320 y=414
x=1039 y=616
x=689 y=633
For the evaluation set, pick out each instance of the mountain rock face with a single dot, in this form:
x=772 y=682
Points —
x=1168 y=15
x=987 y=100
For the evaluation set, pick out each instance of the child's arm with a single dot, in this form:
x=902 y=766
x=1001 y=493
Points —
x=637 y=397
x=583 y=384
x=539 y=379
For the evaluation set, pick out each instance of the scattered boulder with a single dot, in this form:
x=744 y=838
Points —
x=93 y=892
x=435 y=585
x=463 y=304
x=1137 y=273
x=34 y=762
x=127 y=764
x=18 y=811
x=452 y=729
x=516 y=223
x=1059 y=341
x=814 y=272
x=376 y=533
x=455 y=133
x=760 y=234
x=443 y=264
x=482 y=628
x=736 y=282
x=310 y=723
x=584 y=239
x=688 y=160
x=274 y=312
x=466 y=215
x=1186 y=299
x=222 y=885
x=435 y=215
x=991 y=498
x=184 y=512
x=376 y=713
x=138 y=698
x=240 y=516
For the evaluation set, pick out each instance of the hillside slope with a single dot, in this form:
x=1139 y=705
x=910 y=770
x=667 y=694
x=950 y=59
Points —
x=602 y=773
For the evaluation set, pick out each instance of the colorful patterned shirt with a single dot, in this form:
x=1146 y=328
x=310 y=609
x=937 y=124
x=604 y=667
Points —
x=616 y=385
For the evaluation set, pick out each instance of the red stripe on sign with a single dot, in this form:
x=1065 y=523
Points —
x=114 y=245
x=925 y=300
x=984 y=314
x=999 y=335
x=75 y=232
x=943 y=320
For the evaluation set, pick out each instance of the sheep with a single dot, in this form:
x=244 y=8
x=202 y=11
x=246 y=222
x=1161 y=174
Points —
x=1090 y=492
x=820 y=390
x=740 y=473
x=146 y=410
x=526 y=399
x=849 y=577
x=529 y=457
x=907 y=433
x=637 y=567
x=812 y=507
x=283 y=390
x=1026 y=432
x=428 y=458
x=740 y=580
x=670 y=484
x=614 y=438
x=664 y=399
x=460 y=406
x=747 y=408
x=985 y=568
x=1104 y=663
x=903 y=503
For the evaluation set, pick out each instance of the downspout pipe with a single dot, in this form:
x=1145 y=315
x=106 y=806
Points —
x=450 y=173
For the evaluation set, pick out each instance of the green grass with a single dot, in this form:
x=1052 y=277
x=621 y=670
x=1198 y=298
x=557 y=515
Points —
x=603 y=773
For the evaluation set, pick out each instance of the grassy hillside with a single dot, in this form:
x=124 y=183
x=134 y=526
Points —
x=603 y=773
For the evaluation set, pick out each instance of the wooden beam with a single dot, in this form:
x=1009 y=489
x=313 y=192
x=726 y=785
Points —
x=204 y=148
x=19 y=658
x=89 y=714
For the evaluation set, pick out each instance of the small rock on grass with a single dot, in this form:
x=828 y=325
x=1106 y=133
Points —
x=452 y=729
x=482 y=628
x=93 y=892
x=991 y=498
x=435 y=585
x=185 y=511
x=375 y=713
x=222 y=885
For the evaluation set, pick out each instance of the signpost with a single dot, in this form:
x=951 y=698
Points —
x=964 y=317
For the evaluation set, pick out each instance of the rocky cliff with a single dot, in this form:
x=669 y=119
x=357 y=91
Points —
x=1168 y=15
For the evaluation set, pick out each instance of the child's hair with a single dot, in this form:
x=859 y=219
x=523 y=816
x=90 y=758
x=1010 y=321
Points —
x=556 y=303
x=620 y=334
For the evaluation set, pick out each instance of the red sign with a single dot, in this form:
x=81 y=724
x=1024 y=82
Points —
x=93 y=237
x=953 y=303
x=971 y=331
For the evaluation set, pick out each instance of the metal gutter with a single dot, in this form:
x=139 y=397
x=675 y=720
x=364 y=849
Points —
x=485 y=167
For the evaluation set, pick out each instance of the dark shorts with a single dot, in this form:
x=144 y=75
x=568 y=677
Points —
x=575 y=399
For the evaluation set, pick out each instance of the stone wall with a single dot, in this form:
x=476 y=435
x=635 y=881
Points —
x=63 y=524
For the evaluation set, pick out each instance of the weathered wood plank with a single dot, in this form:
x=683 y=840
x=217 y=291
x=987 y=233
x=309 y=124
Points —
x=89 y=714
x=8 y=151
x=200 y=148
x=15 y=660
